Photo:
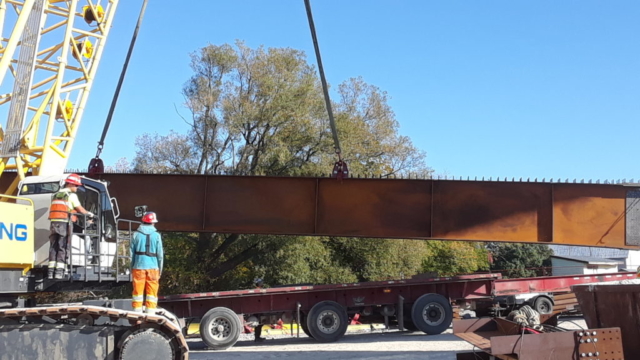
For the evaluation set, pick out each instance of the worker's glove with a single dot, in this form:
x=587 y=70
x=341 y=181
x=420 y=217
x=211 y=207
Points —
x=90 y=215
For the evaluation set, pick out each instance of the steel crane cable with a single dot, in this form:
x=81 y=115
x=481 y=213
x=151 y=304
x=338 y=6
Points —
x=340 y=168
x=96 y=165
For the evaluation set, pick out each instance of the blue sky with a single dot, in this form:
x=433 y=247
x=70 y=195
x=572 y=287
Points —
x=546 y=89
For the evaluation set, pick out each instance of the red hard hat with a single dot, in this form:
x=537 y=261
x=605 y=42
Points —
x=149 y=218
x=74 y=179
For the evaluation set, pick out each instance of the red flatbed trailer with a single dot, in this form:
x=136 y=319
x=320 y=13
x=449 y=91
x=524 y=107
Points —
x=539 y=292
x=553 y=284
x=324 y=311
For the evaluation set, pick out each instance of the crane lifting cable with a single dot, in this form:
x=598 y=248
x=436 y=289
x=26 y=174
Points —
x=96 y=166
x=340 y=169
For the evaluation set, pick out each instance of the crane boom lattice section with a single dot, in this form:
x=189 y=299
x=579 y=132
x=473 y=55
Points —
x=24 y=76
x=47 y=66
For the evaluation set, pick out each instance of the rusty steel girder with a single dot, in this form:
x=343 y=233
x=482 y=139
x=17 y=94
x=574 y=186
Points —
x=560 y=213
x=576 y=214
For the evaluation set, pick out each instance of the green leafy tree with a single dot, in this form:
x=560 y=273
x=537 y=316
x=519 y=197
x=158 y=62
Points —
x=455 y=257
x=302 y=260
x=520 y=260
x=379 y=259
x=261 y=112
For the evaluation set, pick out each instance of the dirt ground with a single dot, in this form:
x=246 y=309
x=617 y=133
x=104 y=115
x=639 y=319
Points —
x=368 y=344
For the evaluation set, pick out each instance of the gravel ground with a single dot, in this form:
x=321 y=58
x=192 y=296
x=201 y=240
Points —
x=376 y=344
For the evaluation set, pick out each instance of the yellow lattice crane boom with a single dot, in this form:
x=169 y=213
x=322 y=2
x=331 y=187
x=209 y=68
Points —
x=49 y=55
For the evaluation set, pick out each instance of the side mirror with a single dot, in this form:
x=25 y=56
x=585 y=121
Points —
x=139 y=211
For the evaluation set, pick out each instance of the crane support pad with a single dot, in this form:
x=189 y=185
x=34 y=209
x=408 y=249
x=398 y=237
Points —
x=51 y=341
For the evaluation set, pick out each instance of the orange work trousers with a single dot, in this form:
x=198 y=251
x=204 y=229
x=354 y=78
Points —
x=145 y=283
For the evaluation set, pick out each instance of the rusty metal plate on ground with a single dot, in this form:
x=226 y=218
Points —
x=613 y=305
x=503 y=340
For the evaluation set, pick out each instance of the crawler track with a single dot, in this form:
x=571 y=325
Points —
x=73 y=316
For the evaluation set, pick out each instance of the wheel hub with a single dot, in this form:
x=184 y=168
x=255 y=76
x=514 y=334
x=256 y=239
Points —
x=220 y=328
x=433 y=314
x=328 y=322
x=544 y=307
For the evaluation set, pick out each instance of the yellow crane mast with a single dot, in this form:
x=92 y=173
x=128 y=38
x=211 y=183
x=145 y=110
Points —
x=48 y=62
x=51 y=49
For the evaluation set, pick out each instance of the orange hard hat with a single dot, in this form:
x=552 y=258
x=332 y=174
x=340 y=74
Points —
x=73 y=179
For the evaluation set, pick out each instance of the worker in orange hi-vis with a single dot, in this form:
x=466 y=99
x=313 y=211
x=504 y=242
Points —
x=64 y=204
x=146 y=263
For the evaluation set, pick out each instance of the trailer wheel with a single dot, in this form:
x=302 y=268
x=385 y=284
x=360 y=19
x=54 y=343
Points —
x=305 y=328
x=409 y=325
x=327 y=321
x=220 y=328
x=432 y=314
x=543 y=305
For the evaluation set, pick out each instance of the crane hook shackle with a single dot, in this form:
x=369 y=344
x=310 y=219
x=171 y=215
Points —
x=96 y=166
x=340 y=169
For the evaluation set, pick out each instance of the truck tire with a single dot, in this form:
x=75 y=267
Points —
x=543 y=305
x=432 y=314
x=327 y=321
x=220 y=328
x=305 y=328
x=410 y=326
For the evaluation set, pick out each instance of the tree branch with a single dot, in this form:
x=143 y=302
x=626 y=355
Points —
x=232 y=263
x=228 y=241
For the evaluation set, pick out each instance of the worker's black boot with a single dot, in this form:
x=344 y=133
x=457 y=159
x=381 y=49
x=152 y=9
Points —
x=50 y=272
x=59 y=274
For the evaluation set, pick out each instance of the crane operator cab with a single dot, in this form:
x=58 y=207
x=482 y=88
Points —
x=92 y=253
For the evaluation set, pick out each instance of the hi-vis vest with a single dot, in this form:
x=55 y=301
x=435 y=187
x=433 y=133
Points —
x=61 y=209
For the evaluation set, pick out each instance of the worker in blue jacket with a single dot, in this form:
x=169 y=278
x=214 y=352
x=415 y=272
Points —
x=146 y=263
